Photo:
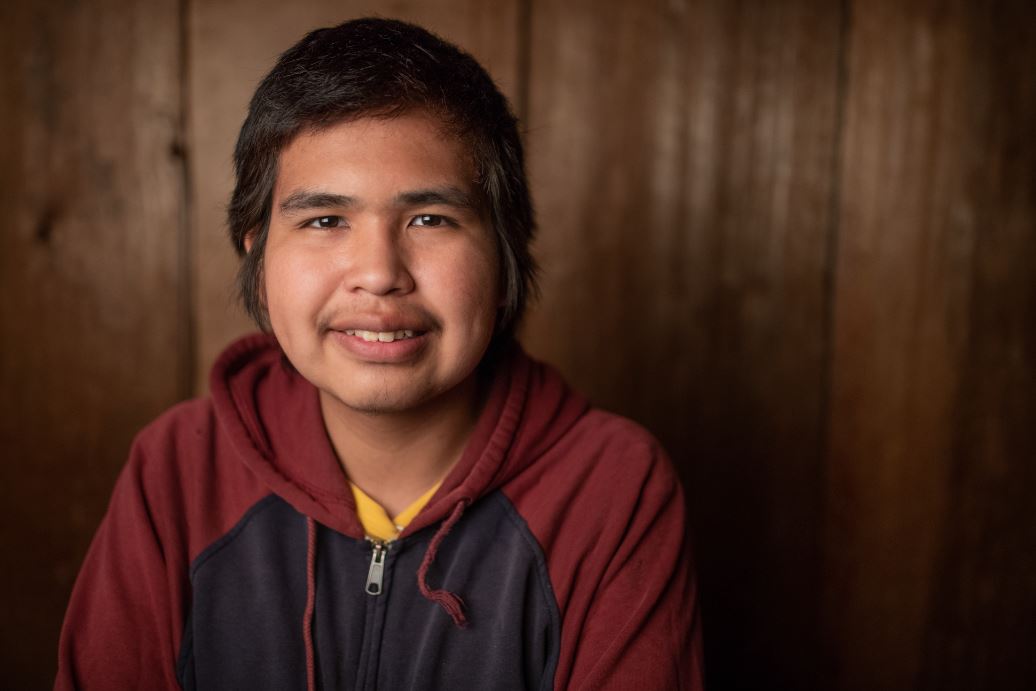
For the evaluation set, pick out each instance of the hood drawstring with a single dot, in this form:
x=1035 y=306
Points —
x=450 y=602
x=311 y=597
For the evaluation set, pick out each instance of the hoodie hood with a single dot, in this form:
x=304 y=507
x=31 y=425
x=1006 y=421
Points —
x=272 y=415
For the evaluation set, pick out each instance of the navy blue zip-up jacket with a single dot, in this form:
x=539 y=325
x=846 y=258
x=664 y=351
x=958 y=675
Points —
x=552 y=556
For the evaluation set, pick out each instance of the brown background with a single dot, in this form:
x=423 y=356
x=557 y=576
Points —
x=796 y=239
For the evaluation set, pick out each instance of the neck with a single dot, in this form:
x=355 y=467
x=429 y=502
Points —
x=395 y=457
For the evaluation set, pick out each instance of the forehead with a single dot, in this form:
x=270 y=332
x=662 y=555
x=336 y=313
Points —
x=371 y=156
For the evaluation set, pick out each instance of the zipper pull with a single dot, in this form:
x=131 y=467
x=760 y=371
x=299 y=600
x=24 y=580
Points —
x=377 y=570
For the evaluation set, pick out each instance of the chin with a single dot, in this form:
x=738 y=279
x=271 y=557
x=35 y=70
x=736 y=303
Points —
x=386 y=400
x=381 y=405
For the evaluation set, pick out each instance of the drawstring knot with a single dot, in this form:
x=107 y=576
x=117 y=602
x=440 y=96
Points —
x=450 y=602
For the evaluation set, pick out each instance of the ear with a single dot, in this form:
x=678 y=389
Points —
x=249 y=240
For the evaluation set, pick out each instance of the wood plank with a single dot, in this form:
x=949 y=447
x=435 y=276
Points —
x=682 y=157
x=931 y=539
x=90 y=306
x=233 y=45
x=982 y=620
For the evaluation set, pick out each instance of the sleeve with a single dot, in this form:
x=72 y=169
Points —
x=124 y=619
x=642 y=629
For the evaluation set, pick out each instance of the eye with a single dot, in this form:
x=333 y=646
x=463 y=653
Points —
x=429 y=221
x=326 y=222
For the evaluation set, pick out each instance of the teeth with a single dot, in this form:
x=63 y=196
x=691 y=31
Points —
x=381 y=336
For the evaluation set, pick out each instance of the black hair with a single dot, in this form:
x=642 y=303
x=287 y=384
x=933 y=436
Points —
x=383 y=68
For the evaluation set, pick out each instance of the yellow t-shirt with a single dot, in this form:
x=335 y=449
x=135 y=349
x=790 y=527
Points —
x=375 y=520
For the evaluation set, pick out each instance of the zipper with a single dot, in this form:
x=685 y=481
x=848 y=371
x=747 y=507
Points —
x=376 y=573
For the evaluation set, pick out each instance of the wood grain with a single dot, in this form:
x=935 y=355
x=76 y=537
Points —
x=90 y=339
x=797 y=240
x=233 y=45
x=930 y=542
x=981 y=625
x=682 y=157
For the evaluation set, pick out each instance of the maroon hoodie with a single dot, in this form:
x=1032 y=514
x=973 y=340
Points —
x=552 y=556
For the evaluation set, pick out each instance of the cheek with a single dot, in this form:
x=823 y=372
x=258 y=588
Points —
x=481 y=291
x=294 y=287
x=460 y=283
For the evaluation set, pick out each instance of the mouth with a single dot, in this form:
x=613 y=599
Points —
x=383 y=336
x=391 y=346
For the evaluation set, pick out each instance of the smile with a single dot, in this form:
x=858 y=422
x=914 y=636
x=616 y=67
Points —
x=381 y=336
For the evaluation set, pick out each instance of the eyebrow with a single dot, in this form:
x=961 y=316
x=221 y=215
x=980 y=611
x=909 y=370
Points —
x=306 y=200
x=449 y=196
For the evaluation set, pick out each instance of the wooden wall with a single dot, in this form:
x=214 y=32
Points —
x=93 y=341
x=796 y=239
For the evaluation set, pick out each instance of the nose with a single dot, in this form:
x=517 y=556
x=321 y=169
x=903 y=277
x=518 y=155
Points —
x=377 y=263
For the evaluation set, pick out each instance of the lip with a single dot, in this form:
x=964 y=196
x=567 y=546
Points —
x=377 y=351
x=379 y=324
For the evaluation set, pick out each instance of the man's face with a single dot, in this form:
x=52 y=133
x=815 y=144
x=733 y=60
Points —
x=380 y=268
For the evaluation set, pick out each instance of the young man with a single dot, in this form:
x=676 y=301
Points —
x=384 y=491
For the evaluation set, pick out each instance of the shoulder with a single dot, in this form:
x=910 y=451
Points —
x=603 y=471
x=593 y=502
x=617 y=433
x=183 y=439
x=190 y=421
x=614 y=448
x=184 y=473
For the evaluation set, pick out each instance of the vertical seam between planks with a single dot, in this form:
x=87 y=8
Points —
x=524 y=67
x=830 y=279
x=186 y=341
